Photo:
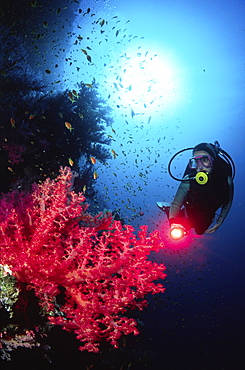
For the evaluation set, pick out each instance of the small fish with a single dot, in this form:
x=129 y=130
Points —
x=114 y=154
x=89 y=58
x=74 y=93
x=71 y=162
x=80 y=115
x=31 y=116
x=71 y=96
x=34 y=4
x=114 y=132
x=47 y=71
x=12 y=122
x=84 y=51
x=102 y=22
x=93 y=160
x=89 y=85
x=84 y=188
x=95 y=175
x=68 y=126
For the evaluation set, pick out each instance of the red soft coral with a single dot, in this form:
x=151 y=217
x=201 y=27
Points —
x=49 y=240
x=15 y=152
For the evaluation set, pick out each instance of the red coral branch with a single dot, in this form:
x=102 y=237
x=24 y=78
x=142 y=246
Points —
x=49 y=240
x=14 y=152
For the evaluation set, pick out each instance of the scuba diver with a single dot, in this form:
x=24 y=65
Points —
x=206 y=186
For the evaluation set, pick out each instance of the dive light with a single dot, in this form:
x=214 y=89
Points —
x=177 y=231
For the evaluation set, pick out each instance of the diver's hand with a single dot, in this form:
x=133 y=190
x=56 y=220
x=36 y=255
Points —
x=212 y=229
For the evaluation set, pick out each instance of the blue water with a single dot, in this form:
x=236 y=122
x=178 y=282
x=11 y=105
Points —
x=179 y=67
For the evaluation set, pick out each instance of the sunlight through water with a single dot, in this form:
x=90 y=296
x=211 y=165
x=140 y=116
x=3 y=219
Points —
x=147 y=80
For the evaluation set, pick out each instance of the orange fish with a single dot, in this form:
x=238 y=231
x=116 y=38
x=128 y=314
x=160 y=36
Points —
x=71 y=162
x=12 y=121
x=95 y=175
x=114 y=154
x=69 y=126
x=89 y=85
x=93 y=160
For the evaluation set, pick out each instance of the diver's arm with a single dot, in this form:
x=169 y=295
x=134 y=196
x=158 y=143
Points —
x=179 y=199
x=224 y=209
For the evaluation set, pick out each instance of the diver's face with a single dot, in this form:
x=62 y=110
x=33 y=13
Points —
x=201 y=164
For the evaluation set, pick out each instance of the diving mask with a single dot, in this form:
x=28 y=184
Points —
x=200 y=161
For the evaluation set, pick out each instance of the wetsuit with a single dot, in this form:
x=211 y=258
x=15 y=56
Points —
x=200 y=202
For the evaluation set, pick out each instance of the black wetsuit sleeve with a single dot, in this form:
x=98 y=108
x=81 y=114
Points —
x=226 y=207
x=179 y=200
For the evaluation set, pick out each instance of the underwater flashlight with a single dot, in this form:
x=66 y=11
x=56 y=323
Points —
x=201 y=178
x=177 y=232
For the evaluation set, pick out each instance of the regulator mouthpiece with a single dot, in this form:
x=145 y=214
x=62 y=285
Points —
x=201 y=178
x=177 y=232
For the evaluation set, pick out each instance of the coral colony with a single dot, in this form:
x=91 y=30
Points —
x=53 y=246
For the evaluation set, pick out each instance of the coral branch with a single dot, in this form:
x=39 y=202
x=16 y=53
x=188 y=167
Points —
x=49 y=241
